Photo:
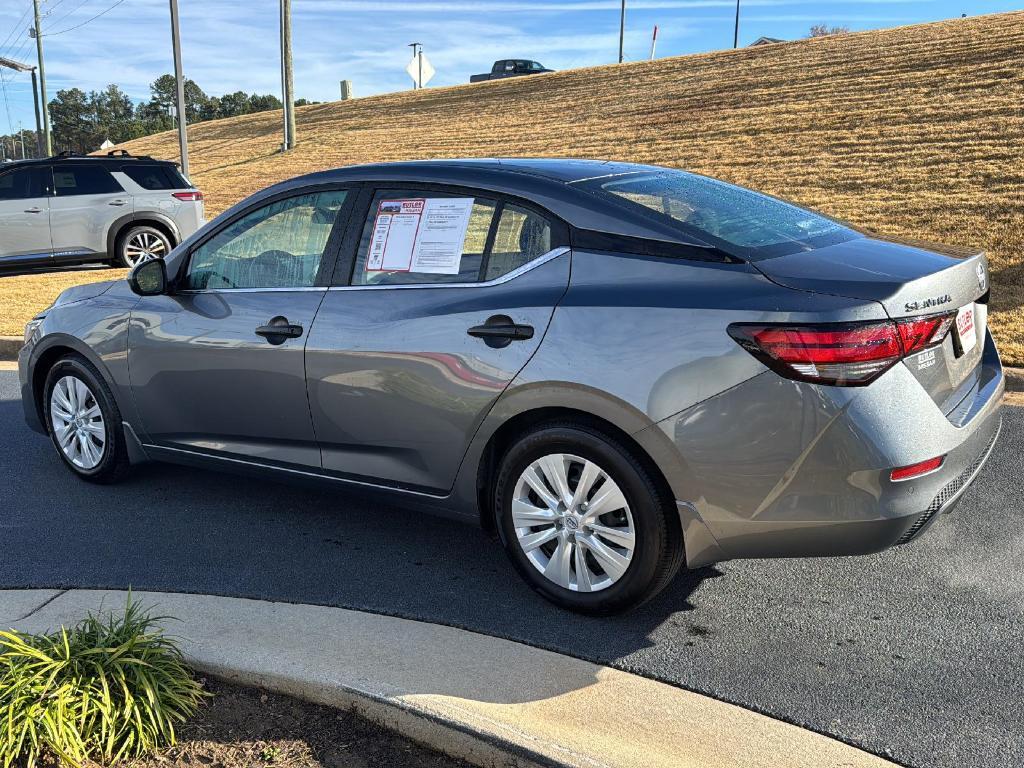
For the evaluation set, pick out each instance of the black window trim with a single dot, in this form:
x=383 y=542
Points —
x=328 y=260
x=344 y=273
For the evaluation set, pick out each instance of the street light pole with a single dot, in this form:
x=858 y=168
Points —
x=47 y=138
x=622 y=28
x=17 y=66
x=179 y=81
x=736 y=32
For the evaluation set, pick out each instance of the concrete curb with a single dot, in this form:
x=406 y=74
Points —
x=9 y=346
x=491 y=702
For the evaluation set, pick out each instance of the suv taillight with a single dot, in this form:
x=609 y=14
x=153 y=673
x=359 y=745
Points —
x=191 y=197
x=846 y=354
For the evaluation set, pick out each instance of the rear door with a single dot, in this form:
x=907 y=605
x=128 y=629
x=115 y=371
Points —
x=24 y=218
x=217 y=365
x=446 y=295
x=87 y=198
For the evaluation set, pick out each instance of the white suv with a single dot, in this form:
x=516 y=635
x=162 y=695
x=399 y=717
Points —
x=71 y=210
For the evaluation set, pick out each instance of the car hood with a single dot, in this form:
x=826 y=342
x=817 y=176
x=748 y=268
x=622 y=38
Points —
x=907 y=277
x=87 y=291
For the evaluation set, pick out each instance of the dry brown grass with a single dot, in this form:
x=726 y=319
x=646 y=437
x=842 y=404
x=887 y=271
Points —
x=916 y=131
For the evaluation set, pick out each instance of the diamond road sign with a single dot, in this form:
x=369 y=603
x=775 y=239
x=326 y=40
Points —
x=414 y=70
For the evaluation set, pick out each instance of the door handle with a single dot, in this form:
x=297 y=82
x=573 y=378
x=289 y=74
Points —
x=33 y=210
x=118 y=202
x=500 y=331
x=279 y=329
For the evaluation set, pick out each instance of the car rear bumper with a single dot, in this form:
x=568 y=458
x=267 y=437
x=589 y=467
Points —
x=776 y=468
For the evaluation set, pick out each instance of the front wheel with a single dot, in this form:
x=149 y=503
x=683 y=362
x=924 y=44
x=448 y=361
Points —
x=84 y=421
x=584 y=521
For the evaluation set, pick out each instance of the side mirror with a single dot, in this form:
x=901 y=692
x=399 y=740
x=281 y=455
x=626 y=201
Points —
x=148 y=278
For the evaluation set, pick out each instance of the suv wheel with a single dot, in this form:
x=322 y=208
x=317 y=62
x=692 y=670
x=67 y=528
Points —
x=84 y=421
x=141 y=243
x=584 y=522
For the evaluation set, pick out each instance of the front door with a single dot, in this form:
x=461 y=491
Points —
x=217 y=365
x=450 y=295
x=24 y=219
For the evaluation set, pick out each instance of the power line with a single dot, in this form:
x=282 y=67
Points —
x=78 y=26
x=7 y=105
x=69 y=13
x=17 y=25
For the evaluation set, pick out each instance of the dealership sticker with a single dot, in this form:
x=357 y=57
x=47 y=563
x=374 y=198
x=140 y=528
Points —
x=965 y=328
x=423 y=235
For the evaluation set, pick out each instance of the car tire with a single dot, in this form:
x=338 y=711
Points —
x=91 y=443
x=617 y=577
x=141 y=242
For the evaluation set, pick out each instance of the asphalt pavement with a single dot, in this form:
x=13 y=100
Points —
x=914 y=653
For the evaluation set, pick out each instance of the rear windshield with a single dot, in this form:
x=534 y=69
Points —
x=740 y=221
x=156 y=177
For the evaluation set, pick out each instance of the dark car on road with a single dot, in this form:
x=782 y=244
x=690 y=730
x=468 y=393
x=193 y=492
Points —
x=617 y=368
x=511 y=68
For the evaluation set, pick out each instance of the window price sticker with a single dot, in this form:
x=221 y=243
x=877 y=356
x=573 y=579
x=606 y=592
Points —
x=423 y=235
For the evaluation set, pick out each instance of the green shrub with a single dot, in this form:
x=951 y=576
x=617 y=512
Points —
x=105 y=690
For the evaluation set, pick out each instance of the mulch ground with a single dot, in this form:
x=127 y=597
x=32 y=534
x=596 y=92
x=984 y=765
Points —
x=246 y=728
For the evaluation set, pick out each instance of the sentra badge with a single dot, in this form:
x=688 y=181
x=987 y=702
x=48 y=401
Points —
x=937 y=301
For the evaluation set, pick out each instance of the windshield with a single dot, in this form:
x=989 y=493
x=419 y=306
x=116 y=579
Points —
x=753 y=224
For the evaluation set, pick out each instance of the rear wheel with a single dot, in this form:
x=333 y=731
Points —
x=141 y=243
x=84 y=421
x=584 y=522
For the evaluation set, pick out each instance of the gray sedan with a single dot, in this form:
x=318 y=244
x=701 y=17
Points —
x=618 y=369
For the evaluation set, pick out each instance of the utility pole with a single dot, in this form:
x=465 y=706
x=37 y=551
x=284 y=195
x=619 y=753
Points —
x=622 y=28
x=47 y=138
x=179 y=82
x=736 y=32
x=17 y=66
x=287 y=97
x=654 y=41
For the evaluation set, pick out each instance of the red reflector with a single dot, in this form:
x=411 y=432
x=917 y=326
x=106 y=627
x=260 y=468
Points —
x=916 y=470
x=193 y=196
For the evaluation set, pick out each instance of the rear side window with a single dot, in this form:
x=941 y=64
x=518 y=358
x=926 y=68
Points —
x=155 y=177
x=69 y=180
x=521 y=236
x=413 y=237
x=21 y=184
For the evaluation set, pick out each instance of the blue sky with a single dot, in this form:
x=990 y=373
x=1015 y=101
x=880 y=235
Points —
x=232 y=44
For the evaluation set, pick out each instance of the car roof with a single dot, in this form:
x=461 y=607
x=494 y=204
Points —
x=109 y=161
x=563 y=169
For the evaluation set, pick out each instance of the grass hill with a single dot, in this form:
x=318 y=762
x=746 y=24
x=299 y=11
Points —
x=916 y=131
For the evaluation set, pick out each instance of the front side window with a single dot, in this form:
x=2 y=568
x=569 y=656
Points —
x=70 y=180
x=413 y=237
x=21 y=184
x=754 y=224
x=280 y=245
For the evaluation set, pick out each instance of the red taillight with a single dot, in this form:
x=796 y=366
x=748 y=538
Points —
x=850 y=354
x=191 y=197
x=916 y=470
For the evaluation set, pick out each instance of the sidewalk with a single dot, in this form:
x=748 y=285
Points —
x=491 y=702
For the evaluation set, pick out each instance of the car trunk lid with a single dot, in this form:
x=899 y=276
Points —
x=909 y=279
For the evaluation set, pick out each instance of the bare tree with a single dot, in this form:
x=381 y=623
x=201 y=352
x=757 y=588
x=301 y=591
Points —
x=824 y=30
